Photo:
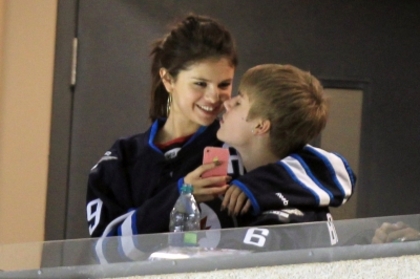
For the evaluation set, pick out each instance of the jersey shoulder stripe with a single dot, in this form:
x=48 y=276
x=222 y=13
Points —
x=310 y=174
x=337 y=167
x=298 y=173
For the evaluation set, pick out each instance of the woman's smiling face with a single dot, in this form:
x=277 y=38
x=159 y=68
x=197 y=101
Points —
x=199 y=91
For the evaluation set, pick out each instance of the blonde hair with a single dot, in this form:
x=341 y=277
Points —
x=291 y=99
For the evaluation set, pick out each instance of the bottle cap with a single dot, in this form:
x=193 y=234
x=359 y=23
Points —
x=187 y=188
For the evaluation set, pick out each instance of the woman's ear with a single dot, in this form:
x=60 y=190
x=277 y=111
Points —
x=167 y=79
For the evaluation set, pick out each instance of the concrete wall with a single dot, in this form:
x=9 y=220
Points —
x=27 y=40
x=393 y=267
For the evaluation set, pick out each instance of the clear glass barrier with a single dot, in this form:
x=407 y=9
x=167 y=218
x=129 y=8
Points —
x=204 y=250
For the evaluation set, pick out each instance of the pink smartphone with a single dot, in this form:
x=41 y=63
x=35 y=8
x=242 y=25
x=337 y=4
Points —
x=212 y=154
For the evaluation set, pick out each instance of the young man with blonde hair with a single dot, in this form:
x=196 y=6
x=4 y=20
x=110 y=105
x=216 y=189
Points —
x=278 y=111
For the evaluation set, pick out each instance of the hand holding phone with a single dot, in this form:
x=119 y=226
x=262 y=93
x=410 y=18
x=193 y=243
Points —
x=216 y=154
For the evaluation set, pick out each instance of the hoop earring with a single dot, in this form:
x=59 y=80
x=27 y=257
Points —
x=168 y=105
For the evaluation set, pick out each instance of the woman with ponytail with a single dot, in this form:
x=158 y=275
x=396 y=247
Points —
x=133 y=187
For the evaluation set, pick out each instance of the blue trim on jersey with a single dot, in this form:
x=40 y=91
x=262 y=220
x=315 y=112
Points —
x=329 y=167
x=155 y=127
x=250 y=196
x=180 y=183
x=293 y=176
x=134 y=222
x=310 y=174
x=153 y=131
x=349 y=171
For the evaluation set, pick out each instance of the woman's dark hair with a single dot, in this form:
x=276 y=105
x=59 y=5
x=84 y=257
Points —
x=191 y=40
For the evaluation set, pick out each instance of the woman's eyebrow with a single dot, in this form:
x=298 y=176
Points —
x=200 y=78
x=207 y=80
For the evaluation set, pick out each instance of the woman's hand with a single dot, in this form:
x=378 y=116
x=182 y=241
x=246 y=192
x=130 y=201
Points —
x=204 y=189
x=235 y=201
x=398 y=232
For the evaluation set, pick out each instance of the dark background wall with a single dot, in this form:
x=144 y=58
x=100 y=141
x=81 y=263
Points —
x=348 y=43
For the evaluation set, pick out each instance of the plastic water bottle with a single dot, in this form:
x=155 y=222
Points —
x=185 y=216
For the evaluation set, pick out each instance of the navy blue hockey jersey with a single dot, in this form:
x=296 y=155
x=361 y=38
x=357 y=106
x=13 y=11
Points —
x=133 y=187
x=310 y=179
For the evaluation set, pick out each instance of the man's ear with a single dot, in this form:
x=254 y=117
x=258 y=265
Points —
x=167 y=79
x=263 y=127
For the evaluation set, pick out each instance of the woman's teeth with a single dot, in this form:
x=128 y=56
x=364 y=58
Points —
x=206 y=108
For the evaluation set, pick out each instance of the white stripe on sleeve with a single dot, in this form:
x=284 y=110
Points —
x=338 y=166
x=298 y=171
x=99 y=244
x=127 y=241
